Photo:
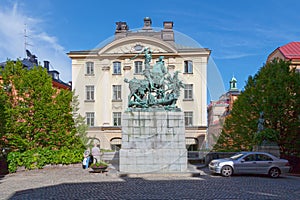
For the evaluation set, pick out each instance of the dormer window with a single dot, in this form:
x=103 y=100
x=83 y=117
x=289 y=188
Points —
x=56 y=76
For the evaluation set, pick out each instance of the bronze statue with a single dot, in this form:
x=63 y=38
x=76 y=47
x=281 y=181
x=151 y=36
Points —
x=261 y=122
x=159 y=89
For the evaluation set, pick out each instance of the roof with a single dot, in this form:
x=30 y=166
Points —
x=183 y=45
x=291 y=50
x=61 y=85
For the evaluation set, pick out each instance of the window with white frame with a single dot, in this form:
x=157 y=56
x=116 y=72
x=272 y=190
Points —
x=90 y=92
x=117 y=118
x=188 y=92
x=117 y=67
x=188 y=118
x=90 y=118
x=138 y=67
x=117 y=92
x=89 y=68
x=188 y=66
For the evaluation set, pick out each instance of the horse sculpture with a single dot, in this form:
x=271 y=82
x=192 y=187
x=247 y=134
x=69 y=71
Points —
x=138 y=89
x=159 y=88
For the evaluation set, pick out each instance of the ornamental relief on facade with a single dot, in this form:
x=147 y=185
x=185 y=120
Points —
x=134 y=48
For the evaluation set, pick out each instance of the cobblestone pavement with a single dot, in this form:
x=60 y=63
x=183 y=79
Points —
x=77 y=183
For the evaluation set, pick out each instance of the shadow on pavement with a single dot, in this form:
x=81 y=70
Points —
x=203 y=187
x=130 y=188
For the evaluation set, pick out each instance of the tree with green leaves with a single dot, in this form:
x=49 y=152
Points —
x=2 y=115
x=37 y=115
x=275 y=91
x=79 y=121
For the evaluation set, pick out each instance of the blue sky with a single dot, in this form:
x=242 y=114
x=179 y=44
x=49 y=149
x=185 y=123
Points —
x=241 y=34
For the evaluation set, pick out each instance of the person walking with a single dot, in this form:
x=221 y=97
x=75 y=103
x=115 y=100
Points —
x=96 y=153
x=86 y=159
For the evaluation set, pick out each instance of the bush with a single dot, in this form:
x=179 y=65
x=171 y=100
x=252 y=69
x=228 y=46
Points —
x=38 y=158
x=99 y=164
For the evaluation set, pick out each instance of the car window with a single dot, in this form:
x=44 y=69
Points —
x=263 y=157
x=250 y=158
x=236 y=156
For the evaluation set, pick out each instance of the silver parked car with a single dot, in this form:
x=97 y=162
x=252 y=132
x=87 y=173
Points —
x=250 y=163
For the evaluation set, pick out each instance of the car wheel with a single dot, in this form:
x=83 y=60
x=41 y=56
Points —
x=226 y=171
x=274 y=172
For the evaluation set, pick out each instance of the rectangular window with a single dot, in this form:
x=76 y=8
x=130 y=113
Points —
x=89 y=68
x=138 y=67
x=188 y=66
x=117 y=92
x=188 y=118
x=117 y=118
x=90 y=118
x=117 y=67
x=90 y=92
x=188 y=92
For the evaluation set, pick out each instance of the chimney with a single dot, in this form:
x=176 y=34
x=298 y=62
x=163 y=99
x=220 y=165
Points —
x=147 y=23
x=46 y=65
x=121 y=30
x=121 y=27
x=168 y=25
x=167 y=32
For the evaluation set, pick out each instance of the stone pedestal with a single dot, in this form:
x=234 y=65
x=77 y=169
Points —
x=268 y=148
x=153 y=142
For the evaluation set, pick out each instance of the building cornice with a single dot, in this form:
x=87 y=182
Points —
x=170 y=49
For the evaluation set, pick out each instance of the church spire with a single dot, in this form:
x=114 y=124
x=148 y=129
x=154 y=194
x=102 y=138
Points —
x=233 y=84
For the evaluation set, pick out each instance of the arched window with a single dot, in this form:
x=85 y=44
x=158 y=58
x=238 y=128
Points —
x=115 y=143
x=191 y=143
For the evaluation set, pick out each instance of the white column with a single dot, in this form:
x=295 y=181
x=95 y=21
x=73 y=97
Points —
x=105 y=85
x=125 y=86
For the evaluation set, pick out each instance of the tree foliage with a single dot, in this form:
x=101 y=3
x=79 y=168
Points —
x=275 y=90
x=79 y=121
x=36 y=114
x=2 y=114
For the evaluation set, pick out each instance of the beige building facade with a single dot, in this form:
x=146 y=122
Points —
x=98 y=79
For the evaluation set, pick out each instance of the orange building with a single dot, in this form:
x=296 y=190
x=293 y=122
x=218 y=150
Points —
x=289 y=52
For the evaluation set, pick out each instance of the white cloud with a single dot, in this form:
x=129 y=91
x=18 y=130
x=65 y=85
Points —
x=233 y=55
x=40 y=43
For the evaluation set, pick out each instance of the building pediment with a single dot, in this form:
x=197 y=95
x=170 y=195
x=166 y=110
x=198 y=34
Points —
x=135 y=44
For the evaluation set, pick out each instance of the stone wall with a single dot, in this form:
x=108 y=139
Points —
x=153 y=142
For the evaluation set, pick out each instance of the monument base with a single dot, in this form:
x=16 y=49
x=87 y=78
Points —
x=153 y=142
x=271 y=148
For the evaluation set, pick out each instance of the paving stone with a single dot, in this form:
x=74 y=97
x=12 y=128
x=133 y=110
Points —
x=73 y=182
